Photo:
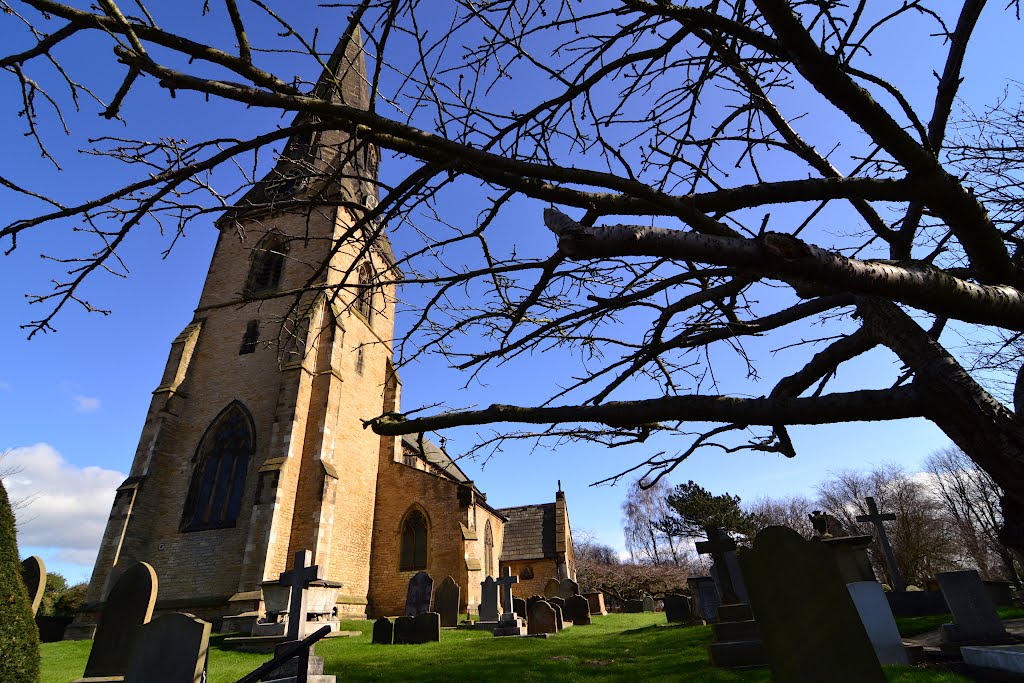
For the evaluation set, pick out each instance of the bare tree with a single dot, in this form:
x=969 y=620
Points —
x=789 y=511
x=922 y=536
x=689 y=204
x=645 y=507
x=970 y=498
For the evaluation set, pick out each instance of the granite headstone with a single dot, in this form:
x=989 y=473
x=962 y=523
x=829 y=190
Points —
x=542 y=618
x=677 y=608
x=383 y=632
x=976 y=621
x=417 y=599
x=875 y=614
x=446 y=602
x=648 y=603
x=577 y=610
x=170 y=649
x=552 y=587
x=568 y=588
x=488 y=600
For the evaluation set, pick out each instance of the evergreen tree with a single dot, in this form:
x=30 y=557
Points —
x=19 y=639
x=695 y=510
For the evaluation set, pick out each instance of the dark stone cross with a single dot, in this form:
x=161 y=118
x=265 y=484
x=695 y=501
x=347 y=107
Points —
x=298 y=577
x=718 y=544
x=874 y=517
x=505 y=581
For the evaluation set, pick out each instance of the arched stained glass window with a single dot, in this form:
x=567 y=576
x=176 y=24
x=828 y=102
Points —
x=414 y=542
x=267 y=265
x=364 y=295
x=218 y=480
x=488 y=550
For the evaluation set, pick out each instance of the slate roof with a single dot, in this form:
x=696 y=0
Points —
x=435 y=456
x=529 y=532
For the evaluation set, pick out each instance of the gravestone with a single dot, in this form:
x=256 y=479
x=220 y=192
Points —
x=488 y=600
x=851 y=556
x=596 y=601
x=1005 y=659
x=577 y=610
x=552 y=587
x=170 y=649
x=976 y=621
x=724 y=569
x=648 y=603
x=519 y=607
x=560 y=621
x=876 y=518
x=33 y=575
x=677 y=608
x=632 y=606
x=568 y=588
x=705 y=597
x=542 y=618
x=383 y=632
x=806 y=618
x=417 y=599
x=426 y=628
x=530 y=600
x=557 y=601
x=403 y=632
x=875 y=614
x=505 y=583
x=128 y=606
x=446 y=602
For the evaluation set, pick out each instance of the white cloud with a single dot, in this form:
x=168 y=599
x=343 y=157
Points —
x=67 y=506
x=85 y=404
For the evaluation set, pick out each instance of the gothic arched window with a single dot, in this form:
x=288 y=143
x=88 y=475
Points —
x=414 y=542
x=218 y=480
x=364 y=295
x=488 y=550
x=267 y=264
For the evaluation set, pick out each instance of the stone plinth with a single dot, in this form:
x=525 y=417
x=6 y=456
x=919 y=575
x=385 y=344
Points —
x=1006 y=658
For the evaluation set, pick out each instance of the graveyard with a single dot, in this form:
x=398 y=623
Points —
x=616 y=647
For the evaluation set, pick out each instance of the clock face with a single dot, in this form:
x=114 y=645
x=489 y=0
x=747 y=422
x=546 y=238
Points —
x=282 y=184
x=370 y=202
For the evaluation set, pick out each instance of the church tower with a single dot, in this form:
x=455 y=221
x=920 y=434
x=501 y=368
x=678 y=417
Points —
x=253 y=447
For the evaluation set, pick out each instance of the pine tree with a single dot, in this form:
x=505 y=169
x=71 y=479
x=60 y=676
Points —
x=19 y=639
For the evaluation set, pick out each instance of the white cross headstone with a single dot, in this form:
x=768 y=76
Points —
x=298 y=577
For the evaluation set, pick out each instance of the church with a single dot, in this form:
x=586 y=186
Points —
x=253 y=446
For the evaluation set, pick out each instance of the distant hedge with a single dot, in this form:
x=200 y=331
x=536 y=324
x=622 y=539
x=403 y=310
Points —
x=19 y=639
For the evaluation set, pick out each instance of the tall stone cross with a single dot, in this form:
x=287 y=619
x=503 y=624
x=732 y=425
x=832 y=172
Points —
x=874 y=517
x=505 y=581
x=718 y=544
x=298 y=577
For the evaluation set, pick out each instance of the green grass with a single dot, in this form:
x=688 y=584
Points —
x=912 y=626
x=618 y=647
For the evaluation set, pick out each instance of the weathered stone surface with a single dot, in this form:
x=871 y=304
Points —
x=596 y=601
x=542 y=618
x=426 y=628
x=704 y=597
x=632 y=606
x=33 y=575
x=129 y=606
x=383 y=632
x=807 y=620
x=677 y=608
x=560 y=621
x=417 y=599
x=875 y=614
x=568 y=588
x=976 y=621
x=851 y=556
x=446 y=602
x=403 y=633
x=519 y=607
x=577 y=610
x=552 y=587
x=1008 y=658
x=488 y=600
x=648 y=603
x=557 y=601
x=170 y=649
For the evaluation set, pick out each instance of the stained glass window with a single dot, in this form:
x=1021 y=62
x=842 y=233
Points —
x=218 y=480
x=414 y=542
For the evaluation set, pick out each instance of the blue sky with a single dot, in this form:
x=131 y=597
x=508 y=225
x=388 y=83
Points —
x=73 y=402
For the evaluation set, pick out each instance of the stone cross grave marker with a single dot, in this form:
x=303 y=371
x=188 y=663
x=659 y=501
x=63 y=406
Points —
x=170 y=649
x=33 y=575
x=806 y=618
x=723 y=552
x=505 y=582
x=488 y=600
x=301 y=574
x=976 y=619
x=876 y=518
x=417 y=599
x=128 y=606
x=446 y=602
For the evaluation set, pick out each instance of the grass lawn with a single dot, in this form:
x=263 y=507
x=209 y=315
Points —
x=912 y=626
x=617 y=647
